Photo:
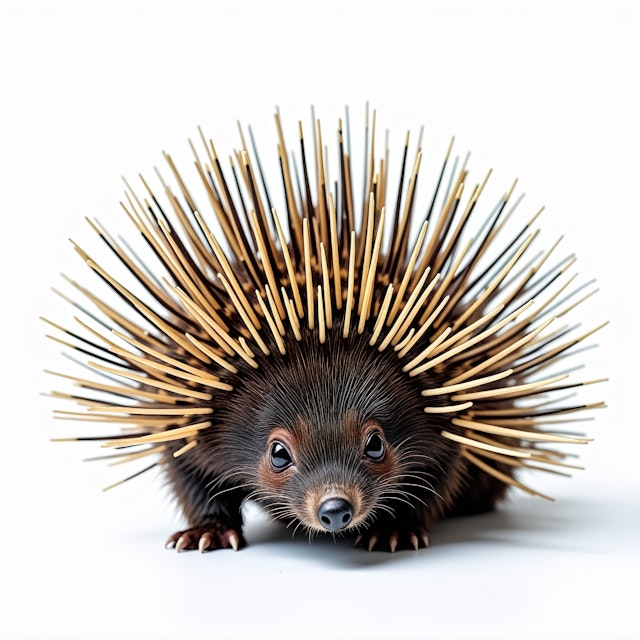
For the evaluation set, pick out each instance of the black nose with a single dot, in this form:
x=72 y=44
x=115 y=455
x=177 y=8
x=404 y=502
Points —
x=335 y=514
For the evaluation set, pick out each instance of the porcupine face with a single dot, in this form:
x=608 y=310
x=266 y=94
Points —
x=334 y=435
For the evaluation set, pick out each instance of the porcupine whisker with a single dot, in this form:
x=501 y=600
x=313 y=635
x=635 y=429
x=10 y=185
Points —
x=284 y=514
x=420 y=485
x=260 y=511
x=225 y=477
x=375 y=514
x=411 y=455
x=252 y=497
x=221 y=481
x=262 y=497
x=395 y=484
x=409 y=463
x=405 y=467
x=402 y=469
x=223 y=491
x=384 y=507
x=404 y=450
x=416 y=475
x=272 y=503
x=279 y=512
x=399 y=496
x=400 y=481
x=297 y=524
x=391 y=494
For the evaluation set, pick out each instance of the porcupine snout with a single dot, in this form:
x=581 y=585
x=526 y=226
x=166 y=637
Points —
x=335 y=514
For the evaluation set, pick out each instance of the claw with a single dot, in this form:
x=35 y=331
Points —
x=393 y=537
x=170 y=543
x=182 y=543
x=205 y=542
x=234 y=541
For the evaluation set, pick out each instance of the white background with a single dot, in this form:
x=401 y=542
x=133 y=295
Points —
x=90 y=91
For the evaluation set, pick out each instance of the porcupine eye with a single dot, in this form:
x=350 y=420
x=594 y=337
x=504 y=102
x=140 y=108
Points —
x=280 y=457
x=374 y=447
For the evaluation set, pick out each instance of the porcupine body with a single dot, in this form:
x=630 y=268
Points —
x=347 y=381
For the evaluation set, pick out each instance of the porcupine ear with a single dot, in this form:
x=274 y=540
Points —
x=480 y=311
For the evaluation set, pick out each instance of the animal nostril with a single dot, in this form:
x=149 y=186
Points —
x=335 y=514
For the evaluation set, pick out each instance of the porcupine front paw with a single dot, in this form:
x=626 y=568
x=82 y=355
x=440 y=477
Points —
x=207 y=537
x=393 y=536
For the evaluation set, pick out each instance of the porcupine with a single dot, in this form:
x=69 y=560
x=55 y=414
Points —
x=350 y=383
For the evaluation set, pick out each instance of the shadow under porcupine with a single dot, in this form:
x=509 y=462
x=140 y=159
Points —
x=350 y=373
